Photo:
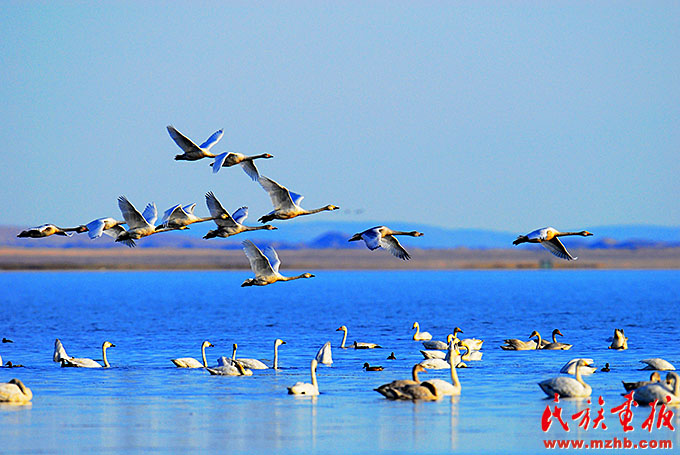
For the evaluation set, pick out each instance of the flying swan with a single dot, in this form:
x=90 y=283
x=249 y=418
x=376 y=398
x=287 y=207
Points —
x=286 y=203
x=548 y=238
x=228 y=225
x=265 y=267
x=384 y=237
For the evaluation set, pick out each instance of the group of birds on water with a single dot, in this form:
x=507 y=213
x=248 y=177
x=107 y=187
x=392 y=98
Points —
x=286 y=205
x=437 y=355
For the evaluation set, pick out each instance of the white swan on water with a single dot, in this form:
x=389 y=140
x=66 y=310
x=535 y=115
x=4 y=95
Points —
x=447 y=388
x=565 y=386
x=324 y=354
x=305 y=388
x=88 y=363
x=438 y=345
x=420 y=336
x=658 y=364
x=15 y=392
x=409 y=389
x=570 y=367
x=356 y=344
x=668 y=394
x=190 y=362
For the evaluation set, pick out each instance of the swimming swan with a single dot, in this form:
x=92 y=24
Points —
x=438 y=345
x=565 y=386
x=59 y=352
x=667 y=393
x=356 y=344
x=324 y=354
x=447 y=388
x=420 y=336
x=405 y=389
x=548 y=238
x=474 y=343
x=570 y=367
x=265 y=267
x=234 y=369
x=654 y=377
x=384 y=237
x=228 y=225
x=255 y=364
x=657 y=364
x=305 y=388
x=555 y=345
x=286 y=203
x=88 y=363
x=15 y=392
x=190 y=362
x=620 y=340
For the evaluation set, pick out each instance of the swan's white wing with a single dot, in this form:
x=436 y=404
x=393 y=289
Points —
x=555 y=247
x=273 y=258
x=538 y=234
x=250 y=169
x=133 y=218
x=391 y=244
x=240 y=215
x=169 y=213
x=184 y=142
x=220 y=215
x=212 y=140
x=279 y=195
x=219 y=161
x=189 y=209
x=150 y=213
x=372 y=238
x=95 y=228
x=258 y=262
x=116 y=231
x=296 y=198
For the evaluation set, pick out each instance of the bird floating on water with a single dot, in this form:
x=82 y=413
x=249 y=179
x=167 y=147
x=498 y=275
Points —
x=88 y=363
x=548 y=238
x=566 y=386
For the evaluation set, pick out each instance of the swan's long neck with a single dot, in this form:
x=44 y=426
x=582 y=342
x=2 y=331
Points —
x=290 y=278
x=256 y=228
x=414 y=374
x=465 y=356
x=106 y=362
x=417 y=326
x=539 y=342
x=411 y=233
x=233 y=353
x=454 y=373
x=314 y=383
x=276 y=356
x=254 y=157
x=344 y=338
x=562 y=234
x=554 y=335
x=578 y=376
x=310 y=212
x=205 y=361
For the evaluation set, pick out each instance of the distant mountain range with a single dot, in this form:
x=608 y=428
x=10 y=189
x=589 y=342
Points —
x=314 y=234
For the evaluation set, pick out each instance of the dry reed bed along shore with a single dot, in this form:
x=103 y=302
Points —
x=329 y=259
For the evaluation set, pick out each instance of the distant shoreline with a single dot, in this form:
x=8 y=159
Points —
x=331 y=259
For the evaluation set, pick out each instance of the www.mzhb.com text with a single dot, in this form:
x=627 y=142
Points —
x=615 y=443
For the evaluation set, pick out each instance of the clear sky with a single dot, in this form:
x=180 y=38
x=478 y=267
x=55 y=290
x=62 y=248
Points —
x=498 y=115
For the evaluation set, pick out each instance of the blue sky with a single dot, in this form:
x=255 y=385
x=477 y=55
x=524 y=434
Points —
x=497 y=115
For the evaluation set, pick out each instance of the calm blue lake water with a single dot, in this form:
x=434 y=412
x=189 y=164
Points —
x=144 y=404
